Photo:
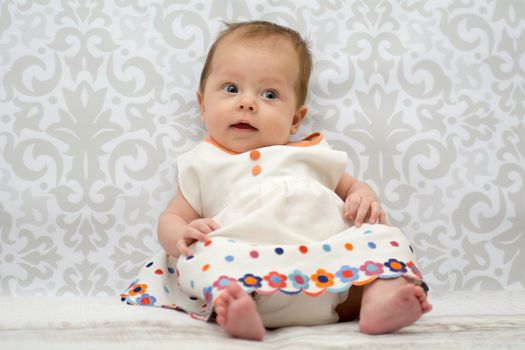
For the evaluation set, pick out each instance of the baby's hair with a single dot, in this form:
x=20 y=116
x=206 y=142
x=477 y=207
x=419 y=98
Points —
x=265 y=30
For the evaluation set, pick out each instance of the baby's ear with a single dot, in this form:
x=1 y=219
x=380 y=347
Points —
x=200 y=100
x=298 y=117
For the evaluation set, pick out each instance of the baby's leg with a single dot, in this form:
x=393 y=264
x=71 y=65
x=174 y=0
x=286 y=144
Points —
x=237 y=315
x=389 y=305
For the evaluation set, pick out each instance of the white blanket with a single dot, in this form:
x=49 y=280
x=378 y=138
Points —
x=460 y=320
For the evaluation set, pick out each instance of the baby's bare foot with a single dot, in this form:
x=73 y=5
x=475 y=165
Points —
x=396 y=309
x=237 y=315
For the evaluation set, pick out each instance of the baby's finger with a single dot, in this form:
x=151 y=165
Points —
x=183 y=248
x=382 y=218
x=195 y=234
x=201 y=226
x=212 y=224
x=361 y=213
x=352 y=205
x=372 y=219
x=375 y=211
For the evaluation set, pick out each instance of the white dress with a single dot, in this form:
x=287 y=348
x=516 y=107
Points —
x=282 y=230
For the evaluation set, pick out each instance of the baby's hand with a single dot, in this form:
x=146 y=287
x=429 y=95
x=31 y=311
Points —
x=197 y=230
x=363 y=206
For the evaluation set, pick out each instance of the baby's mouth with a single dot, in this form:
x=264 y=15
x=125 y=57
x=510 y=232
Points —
x=243 y=126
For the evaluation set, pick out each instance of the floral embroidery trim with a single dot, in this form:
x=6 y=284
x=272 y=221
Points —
x=291 y=284
x=320 y=281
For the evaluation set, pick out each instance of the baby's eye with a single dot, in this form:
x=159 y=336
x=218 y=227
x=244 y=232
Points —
x=270 y=94
x=230 y=88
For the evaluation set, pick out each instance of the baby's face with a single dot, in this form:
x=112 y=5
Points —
x=249 y=100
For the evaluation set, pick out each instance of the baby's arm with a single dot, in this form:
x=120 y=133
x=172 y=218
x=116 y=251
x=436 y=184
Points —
x=180 y=225
x=361 y=202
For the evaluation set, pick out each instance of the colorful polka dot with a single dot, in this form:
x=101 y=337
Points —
x=149 y=264
x=207 y=243
x=159 y=272
x=229 y=258
x=372 y=245
x=303 y=249
x=206 y=267
x=367 y=232
x=279 y=251
x=192 y=285
x=254 y=254
x=327 y=248
x=349 y=246
x=171 y=270
x=394 y=244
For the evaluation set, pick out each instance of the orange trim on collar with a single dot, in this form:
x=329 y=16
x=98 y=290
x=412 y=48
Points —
x=310 y=140
x=212 y=142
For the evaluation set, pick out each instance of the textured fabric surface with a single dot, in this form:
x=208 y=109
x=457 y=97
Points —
x=460 y=320
x=97 y=99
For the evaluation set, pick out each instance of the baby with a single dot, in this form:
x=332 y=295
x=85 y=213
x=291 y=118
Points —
x=267 y=232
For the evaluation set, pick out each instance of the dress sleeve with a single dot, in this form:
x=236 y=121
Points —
x=189 y=180
x=331 y=163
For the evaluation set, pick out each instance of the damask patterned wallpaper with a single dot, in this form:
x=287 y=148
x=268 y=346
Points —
x=97 y=100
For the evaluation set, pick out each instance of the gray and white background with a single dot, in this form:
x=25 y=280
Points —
x=97 y=100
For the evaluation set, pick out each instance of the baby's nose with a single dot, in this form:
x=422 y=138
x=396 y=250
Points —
x=247 y=104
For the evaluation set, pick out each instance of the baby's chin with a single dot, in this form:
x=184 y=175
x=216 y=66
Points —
x=244 y=148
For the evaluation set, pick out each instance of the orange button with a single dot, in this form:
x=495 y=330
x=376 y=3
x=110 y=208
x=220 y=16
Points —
x=256 y=170
x=255 y=154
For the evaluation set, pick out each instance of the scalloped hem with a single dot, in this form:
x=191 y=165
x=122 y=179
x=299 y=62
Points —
x=206 y=310
x=414 y=279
